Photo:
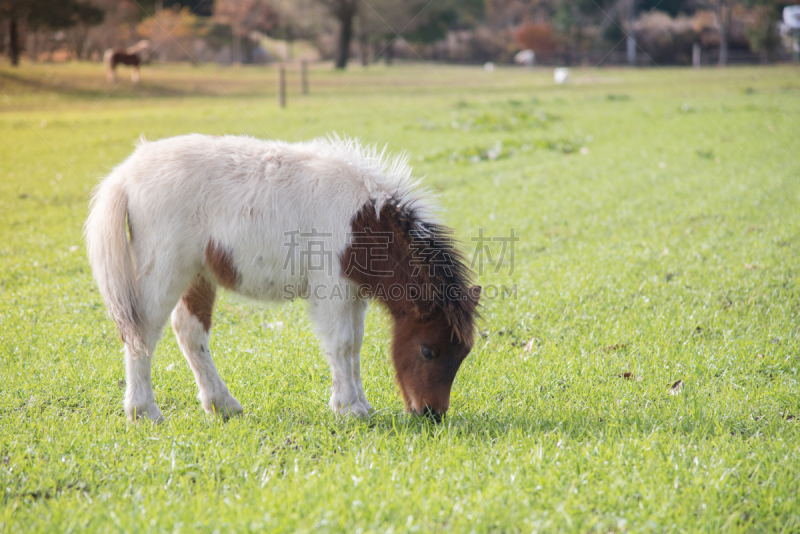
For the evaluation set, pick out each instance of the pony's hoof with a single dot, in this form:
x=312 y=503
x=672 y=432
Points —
x=150 y=412
x=225 y=407
x=355 y=409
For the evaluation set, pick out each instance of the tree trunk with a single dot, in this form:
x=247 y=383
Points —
x=363 y=47
x=32 y=45
x=389 y=52
x=723 y=46
x=630 y=40
x=13 y=42
x=289 y=48
x=723 y=36
x=80 y=36
x=345 y=36
x=630 y=48
x=236 y=49
x=247 y=51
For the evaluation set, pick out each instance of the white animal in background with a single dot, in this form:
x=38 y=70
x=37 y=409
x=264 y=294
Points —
x=525 y=57
x=561 y=75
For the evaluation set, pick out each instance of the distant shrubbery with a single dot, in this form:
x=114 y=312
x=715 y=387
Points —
x=465 y=31
x=666 y=39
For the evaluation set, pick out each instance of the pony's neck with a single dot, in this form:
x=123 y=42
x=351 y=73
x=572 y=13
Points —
x=411 y=265
x=382 y=257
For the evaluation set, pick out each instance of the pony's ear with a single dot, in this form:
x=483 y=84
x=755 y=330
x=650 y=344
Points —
x=425 y=315
x=423 y=312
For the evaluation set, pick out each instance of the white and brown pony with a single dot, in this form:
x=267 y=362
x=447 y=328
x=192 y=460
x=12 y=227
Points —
x=327 y=220
x=133 y=56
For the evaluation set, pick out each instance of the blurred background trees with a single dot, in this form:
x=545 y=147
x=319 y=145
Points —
x=245 y=17
x=637 y=32
x=44 y=15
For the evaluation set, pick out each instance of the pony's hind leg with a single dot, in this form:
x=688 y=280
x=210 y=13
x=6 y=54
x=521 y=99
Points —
x=160 y=290
x=140 y=400
x=139 y=397
x=358 y=315
x=191 y=321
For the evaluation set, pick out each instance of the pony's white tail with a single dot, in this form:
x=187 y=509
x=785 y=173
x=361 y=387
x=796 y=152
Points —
x=111 y=261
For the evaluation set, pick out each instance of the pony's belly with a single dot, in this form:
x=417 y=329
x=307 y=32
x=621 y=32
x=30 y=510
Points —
x=268 y=286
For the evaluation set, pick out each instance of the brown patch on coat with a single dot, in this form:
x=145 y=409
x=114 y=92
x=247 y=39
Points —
x=199 y=300
x=220 y=262
x=395 y=247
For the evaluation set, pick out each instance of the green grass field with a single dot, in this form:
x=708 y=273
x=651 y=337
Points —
x=658 y=213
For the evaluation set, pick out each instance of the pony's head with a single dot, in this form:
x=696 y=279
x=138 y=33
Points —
x=397 y=252
x=428 y=349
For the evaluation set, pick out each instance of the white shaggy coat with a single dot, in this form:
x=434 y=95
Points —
x=248 y=196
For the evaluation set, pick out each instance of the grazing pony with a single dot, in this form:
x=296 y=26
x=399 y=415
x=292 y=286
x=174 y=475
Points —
x=327 y=220
x=132 y=56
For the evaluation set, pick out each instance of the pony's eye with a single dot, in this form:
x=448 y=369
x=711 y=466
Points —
x=426 y=353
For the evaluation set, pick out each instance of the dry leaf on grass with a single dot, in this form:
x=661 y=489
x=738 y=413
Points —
x=615 y=346
x=529 y=345
x=630 y=376
x=676 y=388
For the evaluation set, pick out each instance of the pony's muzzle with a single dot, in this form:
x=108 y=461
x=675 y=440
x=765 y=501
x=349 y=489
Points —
x=435 y=416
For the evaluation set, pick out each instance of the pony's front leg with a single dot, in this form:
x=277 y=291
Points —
x=359 y=313
x=334 y=325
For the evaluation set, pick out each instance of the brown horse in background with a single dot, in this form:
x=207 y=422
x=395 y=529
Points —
x=133 y=56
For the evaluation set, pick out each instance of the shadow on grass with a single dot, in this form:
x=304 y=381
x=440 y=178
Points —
x=38 y=85
x=81 y=88
x=487 y=429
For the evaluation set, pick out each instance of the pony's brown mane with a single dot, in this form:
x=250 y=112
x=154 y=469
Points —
x=395 y=245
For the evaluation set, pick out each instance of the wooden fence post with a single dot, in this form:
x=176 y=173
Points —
x=281 y=86
x=304 y=76
x=696 y=55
